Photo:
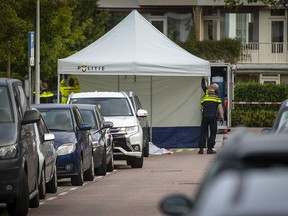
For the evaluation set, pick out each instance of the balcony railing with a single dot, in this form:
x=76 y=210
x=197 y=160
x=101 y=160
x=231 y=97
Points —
x=264 y=53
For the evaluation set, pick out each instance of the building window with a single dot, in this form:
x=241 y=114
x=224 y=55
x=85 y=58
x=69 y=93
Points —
x=241 y=26
x=277 y=35
x=210 y=29
x=179 y=26
x=160 y=23
x=265 y=79
x=176 y=26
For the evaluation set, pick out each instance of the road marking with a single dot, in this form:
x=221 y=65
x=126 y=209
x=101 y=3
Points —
x=63 y=193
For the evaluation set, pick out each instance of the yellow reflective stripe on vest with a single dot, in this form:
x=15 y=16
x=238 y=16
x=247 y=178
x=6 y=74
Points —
x=211 y=98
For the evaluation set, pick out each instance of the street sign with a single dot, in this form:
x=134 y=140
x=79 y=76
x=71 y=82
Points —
x=31 y=48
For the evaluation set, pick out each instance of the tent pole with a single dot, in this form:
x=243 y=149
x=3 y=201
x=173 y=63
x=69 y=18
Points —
x=118 y=83
x=151 y=93
x=58 y=88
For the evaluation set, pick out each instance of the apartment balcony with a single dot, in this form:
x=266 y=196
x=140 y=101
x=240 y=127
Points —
x=264 y=53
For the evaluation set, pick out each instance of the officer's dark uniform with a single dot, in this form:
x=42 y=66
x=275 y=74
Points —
x=210 y=104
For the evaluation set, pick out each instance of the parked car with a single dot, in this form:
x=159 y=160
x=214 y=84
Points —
x=47 y=159
x=142 y=119
x=102 y=139
x=18 y=149
x=247 y=177
x=73 y=142
x=281 y=118
x=127 y=131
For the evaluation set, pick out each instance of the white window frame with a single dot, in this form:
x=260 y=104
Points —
x=270 y=78
x=161 y=19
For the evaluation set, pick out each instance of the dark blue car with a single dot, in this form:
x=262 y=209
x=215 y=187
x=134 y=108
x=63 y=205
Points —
x=102 y=139
x=73 y=142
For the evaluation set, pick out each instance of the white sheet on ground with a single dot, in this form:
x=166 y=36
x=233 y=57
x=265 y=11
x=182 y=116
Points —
x=154 y=150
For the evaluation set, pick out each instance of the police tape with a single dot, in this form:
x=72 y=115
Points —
x=241 y=102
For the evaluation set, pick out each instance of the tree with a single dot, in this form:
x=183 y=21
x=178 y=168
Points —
x=273 y=3
x=66 y=26
x=14 y=30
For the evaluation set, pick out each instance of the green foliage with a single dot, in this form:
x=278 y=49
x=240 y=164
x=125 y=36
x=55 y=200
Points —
x=237 y=3
x=226 y=49
x=256 y=115
x=66 y=26
x=249 y=118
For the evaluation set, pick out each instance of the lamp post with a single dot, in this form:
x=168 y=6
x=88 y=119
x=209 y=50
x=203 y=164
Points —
x=37 y=66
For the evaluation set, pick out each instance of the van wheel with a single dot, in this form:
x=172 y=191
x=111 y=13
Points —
x=51 y=186
x=42 y=185
x=89 y=174
x=102 y=170
x=20 y=205
x=78 y=179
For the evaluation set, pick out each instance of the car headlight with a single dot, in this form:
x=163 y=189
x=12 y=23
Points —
x=67 y=148
x=9 y=151
x=129 y=130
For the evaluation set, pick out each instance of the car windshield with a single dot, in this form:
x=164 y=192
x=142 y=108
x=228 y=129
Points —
x=89 y=117
x=58 y=119
x=5 y=107
x=283 y=119
x=107 y=106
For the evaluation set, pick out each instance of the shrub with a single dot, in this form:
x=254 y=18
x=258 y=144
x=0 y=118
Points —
x=252 y=115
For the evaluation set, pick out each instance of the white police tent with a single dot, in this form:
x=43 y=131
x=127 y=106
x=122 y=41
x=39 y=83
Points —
x=135 y=56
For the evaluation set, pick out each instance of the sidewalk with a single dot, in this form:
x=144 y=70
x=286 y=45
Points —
x=219 y=137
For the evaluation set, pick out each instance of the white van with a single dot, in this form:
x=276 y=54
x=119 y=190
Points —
x=127 y=131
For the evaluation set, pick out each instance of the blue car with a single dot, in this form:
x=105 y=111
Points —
x=102 y=139
x=73 y=142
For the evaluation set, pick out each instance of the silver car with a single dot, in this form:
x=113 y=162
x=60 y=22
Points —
x=47 y=159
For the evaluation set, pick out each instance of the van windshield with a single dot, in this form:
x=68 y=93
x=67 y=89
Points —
x=107 y=106
x=5 y=106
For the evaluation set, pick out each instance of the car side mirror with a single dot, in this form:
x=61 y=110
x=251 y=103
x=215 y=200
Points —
x=108 y=124
x=142 y=113
x=49 y=137
x=31 y=116
x=176 y=205
x=84 y=126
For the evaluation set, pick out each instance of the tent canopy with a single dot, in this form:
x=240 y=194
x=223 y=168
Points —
x=135 y=56
x=134 y=47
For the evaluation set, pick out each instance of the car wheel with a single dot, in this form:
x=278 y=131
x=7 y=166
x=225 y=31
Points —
x=20 y=205
x=78 y=179
x=89 y=174
x=51 y=186
x=146 y=149
x=136 y=162
x=110 y=165
x=42 y=185
x=102 y=170
x=34 y=202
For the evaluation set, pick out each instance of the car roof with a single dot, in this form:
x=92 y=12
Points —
x=249 y=192
x=5 y=81
x=98 y=94
x=53 y=106
x=86 y=106
x=252 y=147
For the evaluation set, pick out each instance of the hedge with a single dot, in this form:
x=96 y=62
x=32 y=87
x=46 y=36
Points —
x=251 y=115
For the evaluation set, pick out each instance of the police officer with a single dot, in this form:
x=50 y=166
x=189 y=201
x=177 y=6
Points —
x=211 y=103
x=45 y=95
x=204 y=85
x=68 y=85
